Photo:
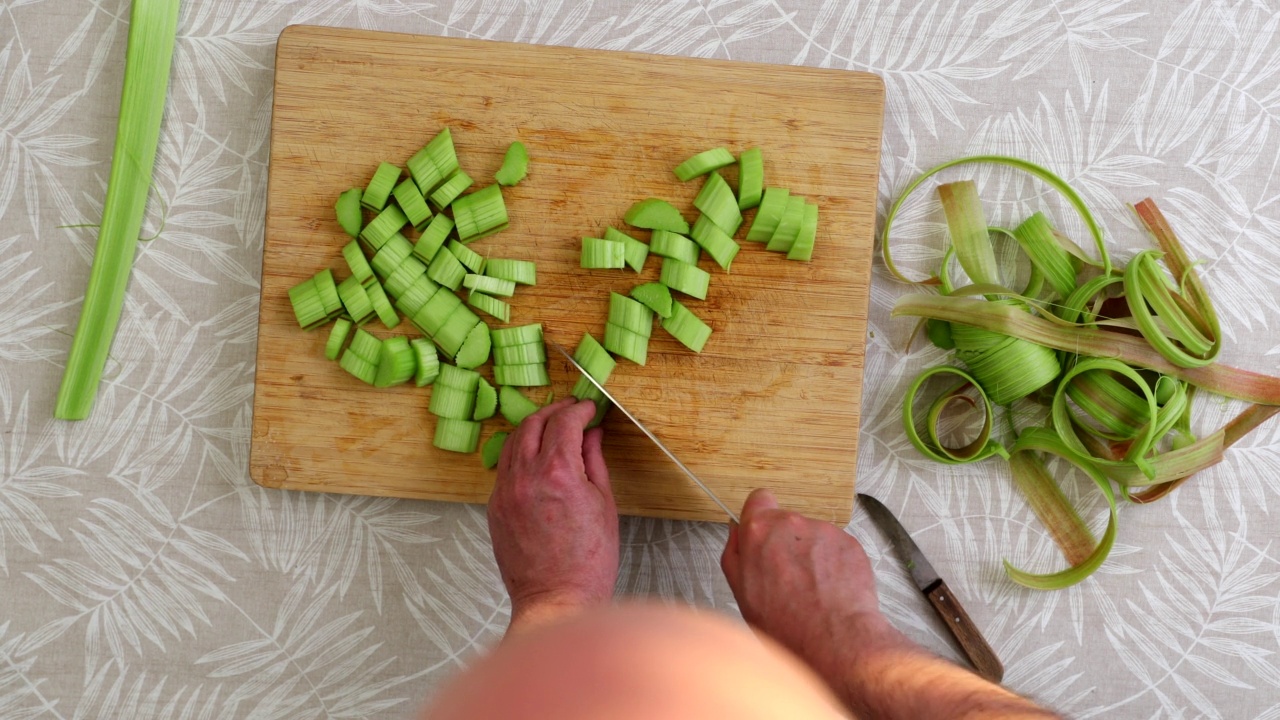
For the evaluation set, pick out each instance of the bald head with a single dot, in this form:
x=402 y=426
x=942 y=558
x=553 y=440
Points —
x=637 y=662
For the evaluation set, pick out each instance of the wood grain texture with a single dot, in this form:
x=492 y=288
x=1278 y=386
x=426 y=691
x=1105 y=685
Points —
x=772 y=401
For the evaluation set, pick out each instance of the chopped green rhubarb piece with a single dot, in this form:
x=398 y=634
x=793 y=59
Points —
x=599 y=364
x=446 y=270
x=417 y=295
x=656 y=214
x=307 y=306
x=461 y=436
x=717 y=201
x=522 y=354
x=750 y=178
x=328 y=292
x=380 y=186
x=428 y=361
x=489 y=304
x=486 y=401
x=361 y=369
x=433 y=314
x=519 y=335
x=515 y=165
x=424 y=172
x=703 y=163
x=788 y=227
x=772 y=205
x=410 y=200
x=489 y=285
x=451 y=189
x=491 y=451
x=630 y=314
x=436 y=161
x=655 y=296
x=451 y=402
x=630 y=345
x=584 y=390
x=686 y=327
x=396 y=364
x=673 y=245
x=460 y=378
x=514 y=406
x=455 y=330
x=362 y=356
x=481 y=213
x=453 y=395
x=633 y=251
x=688 y=279
x=366 y=346
x=356 y=300
x=601 y=254
x=381 y=228
x=337 y=337
x=715 y=241
x=593 y=358
x=347 y=209
x=470 y=259
x=802 y=248
x=391 y=254
x=475 y=348
x=356 y=261
x=404 y=276
x=432 y=238
x=521 y=272
x=530 y=375
x=442 y=153
x=381 y=305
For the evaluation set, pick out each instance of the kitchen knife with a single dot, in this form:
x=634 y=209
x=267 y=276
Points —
x=944 y=602
x=651 y=436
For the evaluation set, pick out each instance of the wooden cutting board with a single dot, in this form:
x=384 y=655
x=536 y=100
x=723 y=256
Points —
x=772 y=401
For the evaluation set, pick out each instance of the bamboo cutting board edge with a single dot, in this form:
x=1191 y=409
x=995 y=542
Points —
x=830 y=502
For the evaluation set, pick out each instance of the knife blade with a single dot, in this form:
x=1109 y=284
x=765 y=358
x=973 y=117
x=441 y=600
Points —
x=661 y=446
x=935 y=589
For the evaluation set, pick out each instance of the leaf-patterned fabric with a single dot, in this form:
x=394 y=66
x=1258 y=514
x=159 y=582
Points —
x=143 y=575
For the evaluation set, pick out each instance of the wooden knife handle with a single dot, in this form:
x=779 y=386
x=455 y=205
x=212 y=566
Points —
x=970 y=638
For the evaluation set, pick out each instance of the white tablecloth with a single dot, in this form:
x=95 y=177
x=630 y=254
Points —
x=143 y=574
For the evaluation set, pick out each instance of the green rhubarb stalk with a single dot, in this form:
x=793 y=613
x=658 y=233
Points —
x=380 y=186
x=489 y=304
x=521 y=272
x=492 y=450
x=514 y=406
x=703 y=163
x=1007 y=320
x=750 y=178
x=515 y=165
x=656 y=214
x=1030 y=168
x=152 y=31
x=633 y=251
x=347 y=209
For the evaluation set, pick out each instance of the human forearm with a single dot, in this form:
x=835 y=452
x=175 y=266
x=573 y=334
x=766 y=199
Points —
x=888 y=676
x=809 y=586
x=526 y=619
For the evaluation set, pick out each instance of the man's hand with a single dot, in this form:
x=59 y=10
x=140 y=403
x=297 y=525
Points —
x=552 y=518
x=806 y=584
x=809 y=586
